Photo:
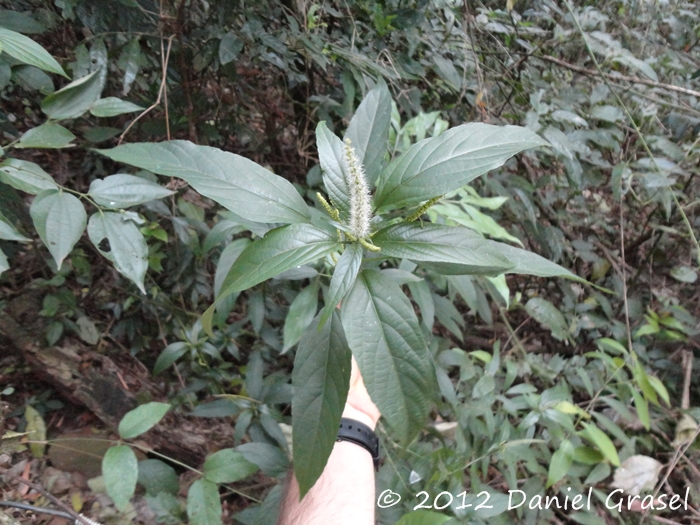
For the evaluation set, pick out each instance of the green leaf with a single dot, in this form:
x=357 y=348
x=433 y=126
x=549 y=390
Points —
x=4 y=265
x=28 y=52
x=49 y=135
x=120 y=470
x=642 y=406
x=33 y=79
x=59 y=219
x=203 y=503
x=26 y=176
x=122 y=191
x=157 y=476
x=420 y=291
x=386 y=339
x=369 y=129
x=560 y=463
x=100 y=133
x=684 y=274
x=549 y=316
x=22 y=22
x=528 y=263
x=74 y=99
x=125 y=245
x=9 y=233
x=142 y=419
x=423 y=517
x=456 y=250
x=331 y=156
x=112 y=106
x=270 y=459
x=233 y=181
x=169 y=355
x=229 y=47
x=442 y=164
x=343 y=279
x=470 y=217
x=657 y=385
x=598 y=438
x=301 y=312
x=36 y=429
x=281 y=249
x=321 y=378
x=232 y=251
x=130 y=62
x=227 y=466
x=483 y=387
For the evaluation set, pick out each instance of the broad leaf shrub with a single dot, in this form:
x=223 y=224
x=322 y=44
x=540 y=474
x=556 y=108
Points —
x=376 y=320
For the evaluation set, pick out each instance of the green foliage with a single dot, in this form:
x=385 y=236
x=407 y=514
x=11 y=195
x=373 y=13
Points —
x=120 y=470
x=322 y=364
x=233 y=181
x=142 y=419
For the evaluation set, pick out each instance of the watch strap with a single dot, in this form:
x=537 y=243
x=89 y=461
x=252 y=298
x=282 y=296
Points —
x=360 y=434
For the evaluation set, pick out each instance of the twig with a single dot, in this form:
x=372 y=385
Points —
x=688 y=368
x=160 y=91
x=610 y=76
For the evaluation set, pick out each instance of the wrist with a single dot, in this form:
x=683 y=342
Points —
x=362 y=416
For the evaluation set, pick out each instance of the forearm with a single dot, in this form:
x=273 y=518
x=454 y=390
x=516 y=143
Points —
x=344 y=494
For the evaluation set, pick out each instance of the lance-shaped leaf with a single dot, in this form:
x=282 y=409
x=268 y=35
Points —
x=59 y=219
x=331 y=157
x=122 y=191
x=279 y=250
x=233 y=181
x=301 y=312
x=26 y=176
x=76 y=98
x=343 y=278
x=598 y=438
x=529 y=263
x=321 y=378
x=112 y=106
x=384 y=336
x=560 y=463
x=369 y=129
x=29 y=52
x=450 y=250
x=9 y=233
x=119 y=239
x=442 y=164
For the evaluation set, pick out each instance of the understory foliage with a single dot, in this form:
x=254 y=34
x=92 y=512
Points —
x=492 y=206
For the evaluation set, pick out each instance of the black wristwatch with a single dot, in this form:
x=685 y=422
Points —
x=360 y=434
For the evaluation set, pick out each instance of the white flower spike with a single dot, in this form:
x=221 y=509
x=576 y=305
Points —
x=360 y=198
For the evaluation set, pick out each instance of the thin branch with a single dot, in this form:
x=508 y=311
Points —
x=610 y=76
x=161 y=90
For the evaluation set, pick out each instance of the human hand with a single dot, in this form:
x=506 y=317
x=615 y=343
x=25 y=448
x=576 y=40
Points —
x=359 y=405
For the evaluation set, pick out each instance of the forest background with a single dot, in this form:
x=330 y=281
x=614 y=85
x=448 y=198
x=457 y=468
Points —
x=547 y=385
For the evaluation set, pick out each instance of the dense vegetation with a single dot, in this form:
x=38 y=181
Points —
x=553 y=375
